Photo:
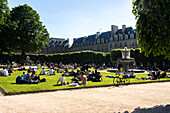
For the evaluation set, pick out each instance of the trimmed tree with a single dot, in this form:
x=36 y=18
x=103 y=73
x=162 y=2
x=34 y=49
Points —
x=153 y=26
x=31 y=35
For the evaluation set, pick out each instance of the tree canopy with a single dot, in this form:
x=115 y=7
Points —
x=31 y=35
x=153 y=26
x=4 y=11
x=6 y=28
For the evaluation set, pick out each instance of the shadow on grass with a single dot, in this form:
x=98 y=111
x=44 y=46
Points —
x=57 y=85
x=155 y=109
x=20 y=84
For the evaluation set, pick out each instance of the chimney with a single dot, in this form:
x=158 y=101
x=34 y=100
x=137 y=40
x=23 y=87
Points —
x=74 y=39
x=97 y=34
x=68 y=39
x=123 y=28
x=114 y=29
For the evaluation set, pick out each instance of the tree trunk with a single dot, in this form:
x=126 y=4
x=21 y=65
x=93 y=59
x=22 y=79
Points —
x=23 y=57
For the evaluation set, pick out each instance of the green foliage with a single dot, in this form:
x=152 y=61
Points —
x=72 y=57
x=153 y=26
x=4 y=11
x=139 y=57
x=30 y=34
x=6 y=28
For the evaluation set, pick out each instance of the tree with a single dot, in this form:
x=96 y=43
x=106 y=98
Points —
x=153 y=26
x=6 y=28
x=31 y=35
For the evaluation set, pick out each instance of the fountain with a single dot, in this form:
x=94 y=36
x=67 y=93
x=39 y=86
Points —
x=125 y=60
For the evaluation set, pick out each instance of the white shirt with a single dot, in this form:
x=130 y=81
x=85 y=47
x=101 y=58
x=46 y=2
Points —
x=5 y=72
x=62 y=80
x=51 y=71
x=43 y=71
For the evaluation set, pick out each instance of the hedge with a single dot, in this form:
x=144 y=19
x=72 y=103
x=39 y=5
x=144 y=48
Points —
x=85 y=57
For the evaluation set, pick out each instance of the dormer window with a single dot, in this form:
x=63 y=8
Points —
x=120 y=37
x=98 y=41
x=126 y=37
x=111 y=39
x=102 y=40
x=115 y=37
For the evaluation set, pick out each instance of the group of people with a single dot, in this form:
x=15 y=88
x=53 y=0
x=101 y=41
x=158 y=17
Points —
x=126 y=75
x=80 y=77
x=157 y=74
x=30 y=77
x=51 y=71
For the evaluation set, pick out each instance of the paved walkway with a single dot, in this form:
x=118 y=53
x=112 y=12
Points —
x=94 y=100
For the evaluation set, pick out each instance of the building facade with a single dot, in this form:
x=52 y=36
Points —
x=56 y=45
x=106 y=41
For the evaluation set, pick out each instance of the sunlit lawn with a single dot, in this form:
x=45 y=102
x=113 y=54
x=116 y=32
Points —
x=8 y=83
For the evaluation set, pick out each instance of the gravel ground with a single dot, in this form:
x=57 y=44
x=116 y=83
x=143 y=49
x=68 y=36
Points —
x=144 y=98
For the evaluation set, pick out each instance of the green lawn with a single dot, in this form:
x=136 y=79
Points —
x=8 y=83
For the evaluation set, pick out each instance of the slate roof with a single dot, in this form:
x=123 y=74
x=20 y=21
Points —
x=57 y=42
x=105 y=35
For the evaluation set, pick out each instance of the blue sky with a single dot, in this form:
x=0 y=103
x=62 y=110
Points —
x=78 y=18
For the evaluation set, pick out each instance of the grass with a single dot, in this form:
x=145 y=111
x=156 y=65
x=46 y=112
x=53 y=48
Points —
x=9 y=84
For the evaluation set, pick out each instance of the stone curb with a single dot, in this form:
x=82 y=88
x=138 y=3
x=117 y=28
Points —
x=85 y=87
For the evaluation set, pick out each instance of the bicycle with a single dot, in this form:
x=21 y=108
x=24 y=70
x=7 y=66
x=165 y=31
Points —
x=121 y=80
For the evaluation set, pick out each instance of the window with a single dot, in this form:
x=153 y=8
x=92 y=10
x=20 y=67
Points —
x=110 y=45
x=120 y=44
x=98 y=41
x=125 y=44
x=102 y=40
x=115 y=45
x=115 y=37
x=131 y=36
x=121 y=37
x=111 y=39
x=126 y=37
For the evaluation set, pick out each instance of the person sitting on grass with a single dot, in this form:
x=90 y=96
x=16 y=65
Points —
x=150 y=73
x=26 y=79
x=83 y=78
x=131 y=74
x=27 y=76
x=43 y=72
x=77 y=77
x=35 y=78
x=62 y=80
x=67 y=73
x=4 y=72
x=52 y=72
x=11 y=69
x=163 y=75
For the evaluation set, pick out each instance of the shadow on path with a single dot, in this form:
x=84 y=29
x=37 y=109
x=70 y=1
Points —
x=155 y=109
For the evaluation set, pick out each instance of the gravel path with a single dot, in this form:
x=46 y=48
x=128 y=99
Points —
x=95 y=100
